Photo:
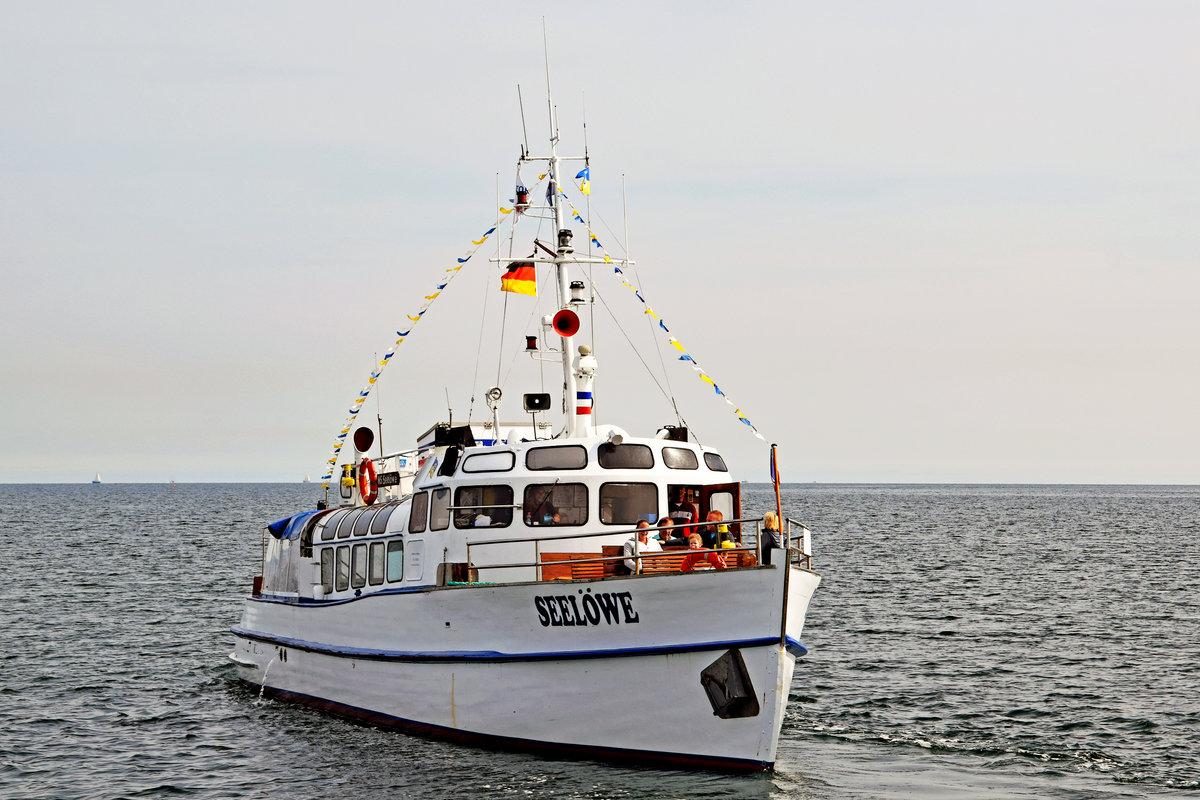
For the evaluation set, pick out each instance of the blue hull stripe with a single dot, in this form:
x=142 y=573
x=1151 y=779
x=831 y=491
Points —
x=492 y=656
x=615 y=754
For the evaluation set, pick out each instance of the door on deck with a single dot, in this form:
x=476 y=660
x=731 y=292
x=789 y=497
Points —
x=726 y=498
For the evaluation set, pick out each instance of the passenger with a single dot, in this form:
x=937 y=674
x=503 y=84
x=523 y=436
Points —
x=682 y=512
x=696 y=555
x=669 y=537
x=639 y=543
x=714 y=535
x=772 y=539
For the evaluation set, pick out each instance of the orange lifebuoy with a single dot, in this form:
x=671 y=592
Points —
x=368 y=486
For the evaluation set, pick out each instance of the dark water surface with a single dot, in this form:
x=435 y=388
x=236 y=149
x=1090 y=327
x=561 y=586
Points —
x=967 y=641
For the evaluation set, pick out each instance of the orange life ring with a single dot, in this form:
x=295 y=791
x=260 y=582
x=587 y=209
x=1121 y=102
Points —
x=368 y=486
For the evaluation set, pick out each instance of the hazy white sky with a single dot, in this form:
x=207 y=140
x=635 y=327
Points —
x=924 y=241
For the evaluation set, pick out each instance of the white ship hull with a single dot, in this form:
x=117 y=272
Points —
x=489 y=663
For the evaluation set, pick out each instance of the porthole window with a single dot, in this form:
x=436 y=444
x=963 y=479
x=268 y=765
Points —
x=625 y=456
x=483 y=506
x=343 y=569
x=680 y=458
x=358 y=567
x=439 y=510
x=327 y=569
x=570 y=456
x=329 y=524
x=395 y=560
x=377 y=563
x=379 y=524
x=555 y=504
x=626 y=503
x=420 y=510
x=714 y=462
x=502 y=461
x=362 y=525
x=347 y=523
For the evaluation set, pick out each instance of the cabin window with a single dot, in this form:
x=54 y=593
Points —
x=327 y=569
x=395 y=560
x=330 y=523
x=439 y=512
x=715 y=462
x=377 y=563
x=420 y=510
x=625 y=456
x=358 y=567
x=680 y=458
x=502 y=461
x=483 y=506
x=363 y=525
x=626 y=503
x=556 y=504
x=571 y=456
x=343 y=569
x=347 y=523
x=379 y=524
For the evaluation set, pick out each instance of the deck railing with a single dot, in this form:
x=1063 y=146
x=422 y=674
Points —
x=802 y=555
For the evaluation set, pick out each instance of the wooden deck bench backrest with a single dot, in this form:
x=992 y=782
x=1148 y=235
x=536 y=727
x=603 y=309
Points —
x=564 y=566
x=567 y=567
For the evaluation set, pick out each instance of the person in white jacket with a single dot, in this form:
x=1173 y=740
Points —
x=639 y=543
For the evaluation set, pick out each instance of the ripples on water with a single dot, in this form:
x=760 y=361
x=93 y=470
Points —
x=966 y=641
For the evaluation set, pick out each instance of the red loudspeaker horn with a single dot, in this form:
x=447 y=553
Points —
x=566 y=323
x=363 y=439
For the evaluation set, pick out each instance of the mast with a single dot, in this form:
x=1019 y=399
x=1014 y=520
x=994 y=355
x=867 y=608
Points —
x=579 y=415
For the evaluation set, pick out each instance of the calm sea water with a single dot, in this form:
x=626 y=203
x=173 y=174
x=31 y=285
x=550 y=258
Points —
x=1001 y=641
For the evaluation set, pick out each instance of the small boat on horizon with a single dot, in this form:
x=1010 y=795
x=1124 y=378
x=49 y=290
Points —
x=96 y=479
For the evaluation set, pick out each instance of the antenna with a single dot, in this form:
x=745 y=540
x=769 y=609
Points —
x=549 y=96
x=521 y=103
x=379 y=410
x=585 y=146
x=449 y=410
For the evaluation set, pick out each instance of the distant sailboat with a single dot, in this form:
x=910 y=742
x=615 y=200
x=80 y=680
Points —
x=307 y=479
x=97 y=478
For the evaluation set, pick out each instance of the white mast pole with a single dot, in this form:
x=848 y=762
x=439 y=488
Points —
x=562 y=257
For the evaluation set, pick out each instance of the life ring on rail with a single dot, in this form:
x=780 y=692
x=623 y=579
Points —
x=368 y=485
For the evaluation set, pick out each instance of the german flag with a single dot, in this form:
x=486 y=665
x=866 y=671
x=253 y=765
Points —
x=520 y=278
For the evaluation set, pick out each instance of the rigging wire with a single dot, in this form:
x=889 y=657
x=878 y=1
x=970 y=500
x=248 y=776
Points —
x=633 y=347
x=500 y=348
x=534 y=311
x=378 y=409
x=483 y=317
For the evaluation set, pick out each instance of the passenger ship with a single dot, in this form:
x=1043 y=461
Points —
x=474 y=588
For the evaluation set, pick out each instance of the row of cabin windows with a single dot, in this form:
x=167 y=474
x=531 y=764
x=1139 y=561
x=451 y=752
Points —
x=548 y=504
x=609 y=456
x=353 y=567
x=544 y=504
x=357 y=521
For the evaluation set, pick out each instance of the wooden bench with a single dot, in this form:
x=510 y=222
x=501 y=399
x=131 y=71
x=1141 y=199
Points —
x=566 y=569
x=671 y=559
x=567 y=566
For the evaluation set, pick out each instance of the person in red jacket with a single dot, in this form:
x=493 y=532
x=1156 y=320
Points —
x=696 y=555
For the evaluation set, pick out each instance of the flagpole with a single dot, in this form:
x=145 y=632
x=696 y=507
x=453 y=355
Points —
x=778 y=504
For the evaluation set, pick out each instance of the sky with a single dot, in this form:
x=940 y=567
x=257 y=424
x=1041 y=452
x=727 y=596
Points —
x=914 y=242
